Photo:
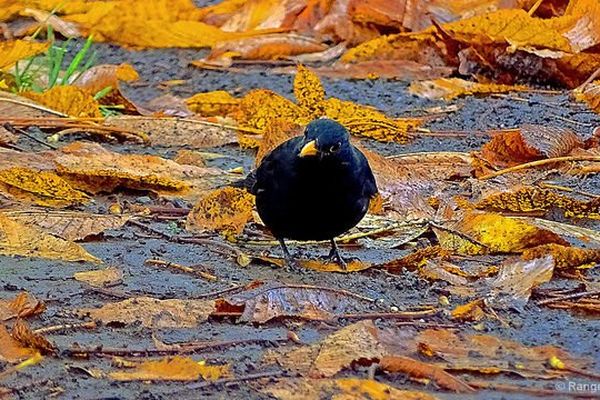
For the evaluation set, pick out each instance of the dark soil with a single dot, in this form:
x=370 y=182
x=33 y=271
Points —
x=126 y=249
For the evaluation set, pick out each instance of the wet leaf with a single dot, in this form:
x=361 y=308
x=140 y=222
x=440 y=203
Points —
x=100 y=77
x=313 y=303
x=152 y=312
x=533 y=199
x=338 y=389
x=68 y=225
x=172 y=369
x=69 y=100
x=100 y=278
x=480 y=233
x=450 y=88
x=530 y=142
x=421 y=370
x=339 y=350
x=565 y=257
x=225 y=210
x=22 y=306
x=24 y=335
x=13 y=51
x=20 y=240
x=12 y=350
x=176 y=132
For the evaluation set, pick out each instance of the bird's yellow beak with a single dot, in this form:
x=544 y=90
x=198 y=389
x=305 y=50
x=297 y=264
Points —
x=309 y=149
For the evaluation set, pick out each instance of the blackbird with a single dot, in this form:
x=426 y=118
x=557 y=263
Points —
x=314 y=187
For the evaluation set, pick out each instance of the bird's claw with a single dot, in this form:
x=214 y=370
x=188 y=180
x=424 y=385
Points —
x=335 y=258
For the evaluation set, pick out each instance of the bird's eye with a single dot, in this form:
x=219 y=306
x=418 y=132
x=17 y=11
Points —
x=335 y=147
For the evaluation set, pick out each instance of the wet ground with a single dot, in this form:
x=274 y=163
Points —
x=129 y=247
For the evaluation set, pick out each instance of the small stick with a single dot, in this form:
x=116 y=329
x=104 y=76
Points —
x=219 y=292
x=249 y=377
x=204 y=275
x=393 y=315
x=14 y=130
x=569 y=297
x=538 y=163
x=63 y=327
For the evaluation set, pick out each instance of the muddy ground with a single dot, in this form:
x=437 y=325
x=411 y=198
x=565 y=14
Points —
x=130 y=246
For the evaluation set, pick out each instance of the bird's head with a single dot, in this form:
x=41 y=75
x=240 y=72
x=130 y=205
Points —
x=324 y=138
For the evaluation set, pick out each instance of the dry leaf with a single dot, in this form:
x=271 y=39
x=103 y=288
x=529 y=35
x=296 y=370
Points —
x=100 y=77
x=565 y=257
x=172 y=369
x=338 y=389
x=22 y=306
x=100 y=278
x=450 y=88
x=154 y=313
x=12 y=350
x=264 y=47
x=22 y=333
x=471 y=311
x=209 y=104
x=13 y=51
x=20 y=240
x=68 y=100
x=225 y=210
x=68 y=225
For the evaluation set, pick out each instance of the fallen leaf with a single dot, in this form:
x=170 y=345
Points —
x=338 y=389
x=68 y=100
x=13 y=51
x=422 y=370
x=216 y=103
x=24 y=335
x=100 y=278
x=22 y=306
x=12 y=350
x=172 y=369
x=20 y=240
x=481 y=233
x=153 y=313
x=264 y=47
x=565 y=257
x=450 y=88
x=313 y=303
x=68 y=225
x=337 y=351
x=225 y=210
x=472 y=311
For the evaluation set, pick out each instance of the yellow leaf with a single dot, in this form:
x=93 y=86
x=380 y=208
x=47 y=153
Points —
x=19 y=240
x=100 y=278
x=259 y=107
x=225 y=210
x=480 y=233
x=209 y=104
x=309 y=91
x=565 y=257
x=172 y=369
x=471 y=311
x=12 y=350
x=13 y=51
x=69 y=100
x=43 y=188
x=449 y=88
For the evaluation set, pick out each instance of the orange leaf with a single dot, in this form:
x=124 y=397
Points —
x=69 y=100
x=13 y=51
x=172 y=369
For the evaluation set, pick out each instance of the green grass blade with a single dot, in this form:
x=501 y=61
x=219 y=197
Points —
x=77 y=60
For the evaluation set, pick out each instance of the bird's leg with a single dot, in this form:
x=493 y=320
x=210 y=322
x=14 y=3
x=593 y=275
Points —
x=334 y=255
x=289 y=260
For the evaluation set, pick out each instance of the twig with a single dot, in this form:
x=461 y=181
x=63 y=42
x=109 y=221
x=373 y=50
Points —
x=14 y=130
x=538 y=163
x=249 y=377
x=393 y=315
x=34 y=106
x=534 y=8
x=151 y=229
x=63 y=327
x=184 y=349
x=183 y=268
x=569 y=297
x=219 y=293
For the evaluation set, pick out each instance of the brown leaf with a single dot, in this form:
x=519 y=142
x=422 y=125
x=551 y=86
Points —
x=472 y=311
x=13 y=51
x=565 y=257
x=172 y=369
x=450 y=88
x=24 y=335
x=313 y=303
x=339 y=350
x=68 y=225
x=152 y=312
x=22 y=306
x=264 y=47
x=225 y=210
x=20 y=240
x=100 y=278
x=422 y=370
x=12 y=350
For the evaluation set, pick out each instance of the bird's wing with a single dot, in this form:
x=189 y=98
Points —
x=247 y=183
x=282 y=157
x=370 y=186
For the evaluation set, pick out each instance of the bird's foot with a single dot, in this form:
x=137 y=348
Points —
x=335 y=258
x=291 y=263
